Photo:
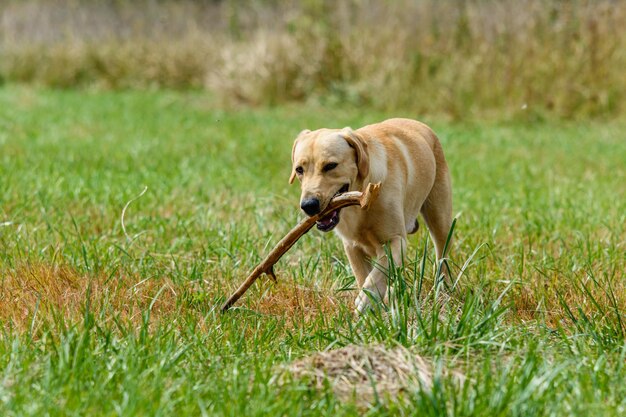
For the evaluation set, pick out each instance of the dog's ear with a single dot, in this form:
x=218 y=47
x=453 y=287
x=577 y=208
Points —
x=360 y=148
x=293 y=152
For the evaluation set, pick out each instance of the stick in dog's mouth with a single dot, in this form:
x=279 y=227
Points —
x=329 y=222
x=363 y=199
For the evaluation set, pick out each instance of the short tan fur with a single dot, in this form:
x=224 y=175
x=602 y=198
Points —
x=406 y=157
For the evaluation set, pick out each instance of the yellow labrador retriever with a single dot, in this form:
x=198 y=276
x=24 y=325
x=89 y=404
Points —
x=406 y=157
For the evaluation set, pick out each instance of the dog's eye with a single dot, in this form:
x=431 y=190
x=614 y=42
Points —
x=329 y=167
x=300 y=170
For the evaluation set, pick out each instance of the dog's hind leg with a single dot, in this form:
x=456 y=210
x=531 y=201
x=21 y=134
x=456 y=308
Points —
x=437 y=213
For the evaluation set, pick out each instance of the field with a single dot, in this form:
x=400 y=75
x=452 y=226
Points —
x=126 y=218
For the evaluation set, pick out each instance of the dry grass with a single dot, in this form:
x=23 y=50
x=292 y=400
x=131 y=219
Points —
x=551 y=298
x=295 y=302
x=515 y=59
x=34 y=295
x=115 y=64
x=365 y=373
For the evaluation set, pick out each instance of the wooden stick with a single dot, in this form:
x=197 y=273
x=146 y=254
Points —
x=352 y=198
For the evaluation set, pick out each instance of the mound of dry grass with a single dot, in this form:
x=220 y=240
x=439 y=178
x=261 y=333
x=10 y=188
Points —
x=364 y=373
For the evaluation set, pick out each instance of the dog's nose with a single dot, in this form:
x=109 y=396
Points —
x=311 y=206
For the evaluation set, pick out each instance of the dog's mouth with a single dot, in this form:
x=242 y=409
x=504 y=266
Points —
x=328 y=223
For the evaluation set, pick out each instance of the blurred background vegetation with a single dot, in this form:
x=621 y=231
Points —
x=462 y=59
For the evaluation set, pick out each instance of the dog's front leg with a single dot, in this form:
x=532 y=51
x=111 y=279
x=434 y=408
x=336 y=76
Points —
x=359 y=262
x=375 y=285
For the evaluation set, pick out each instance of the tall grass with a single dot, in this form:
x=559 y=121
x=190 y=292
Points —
x=461 y=58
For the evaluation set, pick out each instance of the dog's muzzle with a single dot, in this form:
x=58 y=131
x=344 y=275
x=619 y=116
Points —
x=328 y=223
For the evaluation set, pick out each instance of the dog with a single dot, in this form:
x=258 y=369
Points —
x=406 y=157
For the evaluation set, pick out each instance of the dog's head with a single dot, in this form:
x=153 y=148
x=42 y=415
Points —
x=328 y=162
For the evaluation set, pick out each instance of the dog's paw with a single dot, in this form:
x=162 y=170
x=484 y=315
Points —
x=364 y=301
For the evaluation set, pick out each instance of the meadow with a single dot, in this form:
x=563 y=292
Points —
x=144 y=163
x=126 y=218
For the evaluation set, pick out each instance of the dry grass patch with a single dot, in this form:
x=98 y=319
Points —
x=296 y=302
x=553 y=297
x=32 y=295
x=365 y=373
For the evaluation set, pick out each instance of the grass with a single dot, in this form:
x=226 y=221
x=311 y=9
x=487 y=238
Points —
x=109 y=295
x=462 y=59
